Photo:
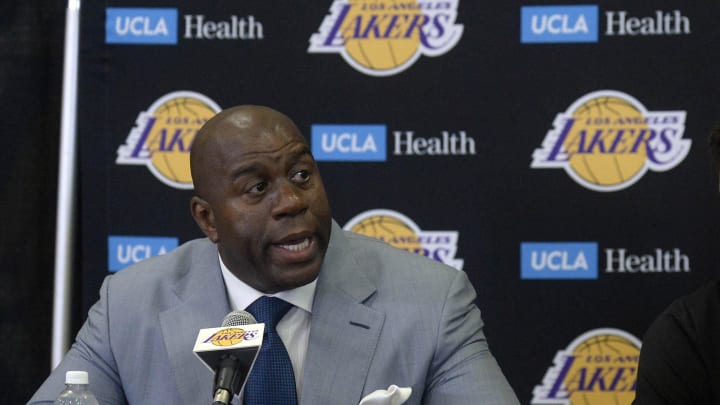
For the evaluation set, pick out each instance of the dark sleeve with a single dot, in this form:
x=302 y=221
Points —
x=673 y=367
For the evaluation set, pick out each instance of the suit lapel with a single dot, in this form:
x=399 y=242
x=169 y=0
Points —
x=344 y=332
x=202 y=304
x=343 y=336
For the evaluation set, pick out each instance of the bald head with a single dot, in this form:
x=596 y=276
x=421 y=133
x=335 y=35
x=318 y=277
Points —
x=251 y=128
x=260 y=198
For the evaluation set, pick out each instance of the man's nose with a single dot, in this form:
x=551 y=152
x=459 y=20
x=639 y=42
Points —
x=289 y=200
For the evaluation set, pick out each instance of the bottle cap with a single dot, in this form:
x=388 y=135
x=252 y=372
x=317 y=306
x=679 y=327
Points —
x=76 y=377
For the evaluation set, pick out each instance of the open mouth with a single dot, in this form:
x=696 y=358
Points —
x=298 y=247
x=295 y=246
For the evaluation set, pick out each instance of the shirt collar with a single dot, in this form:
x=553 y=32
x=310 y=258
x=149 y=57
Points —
x=242 y=295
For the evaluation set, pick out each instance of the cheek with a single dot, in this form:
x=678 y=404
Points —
x=239 y=224
x=319 y=200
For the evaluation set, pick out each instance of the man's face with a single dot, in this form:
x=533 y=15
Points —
x=264 y=202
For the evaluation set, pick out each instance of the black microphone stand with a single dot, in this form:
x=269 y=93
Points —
x=228 y=377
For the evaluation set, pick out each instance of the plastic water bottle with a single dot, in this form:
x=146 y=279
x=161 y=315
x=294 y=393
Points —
x=76 y=390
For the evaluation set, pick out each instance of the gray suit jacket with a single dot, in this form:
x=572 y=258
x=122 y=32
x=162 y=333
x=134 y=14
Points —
x=381 y=316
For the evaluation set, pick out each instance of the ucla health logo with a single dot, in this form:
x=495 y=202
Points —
x=599 y=367
x=163 y=135
x=540 y=24
x=401 y=232
x=385 y=37
x=141 y=26
x=349 y=142
x=560 y=260
x=606 y=141
x=126 y=250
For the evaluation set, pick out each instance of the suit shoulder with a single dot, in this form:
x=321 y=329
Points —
x=173 y=265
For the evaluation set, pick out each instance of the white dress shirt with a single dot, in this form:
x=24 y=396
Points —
x=293 y=328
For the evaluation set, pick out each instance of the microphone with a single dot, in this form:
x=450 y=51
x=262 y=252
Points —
x=230 y=375
x=230 y=352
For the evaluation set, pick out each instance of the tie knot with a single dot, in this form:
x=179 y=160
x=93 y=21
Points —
x=269 y=310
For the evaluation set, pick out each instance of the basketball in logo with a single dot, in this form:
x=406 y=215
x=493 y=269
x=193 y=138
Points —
x=608 y=115
x=386 y=37
x=180 y=119
x=615 y=355
x=373 y=51
x=597 y=368
x=390 y=230
x=401 y=232
x=607 y=140
x=163 y=136
x=228 y=337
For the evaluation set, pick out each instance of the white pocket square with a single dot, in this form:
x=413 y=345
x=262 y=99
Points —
x=394 y=395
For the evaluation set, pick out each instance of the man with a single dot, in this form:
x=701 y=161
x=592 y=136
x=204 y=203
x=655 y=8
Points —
x=680 y=356
x=365 y=316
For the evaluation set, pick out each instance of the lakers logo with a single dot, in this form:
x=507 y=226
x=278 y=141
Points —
x=227 y=337
x=163 y=135
x=597 y=368
x=401 y=232
x=607 y=140
x=385 y=37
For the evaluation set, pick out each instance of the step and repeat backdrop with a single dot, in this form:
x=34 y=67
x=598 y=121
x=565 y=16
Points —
x=555 y=152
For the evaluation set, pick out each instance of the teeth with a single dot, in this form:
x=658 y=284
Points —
x=298 y=246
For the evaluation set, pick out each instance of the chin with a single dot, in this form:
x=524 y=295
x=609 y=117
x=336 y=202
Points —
x=294 y=278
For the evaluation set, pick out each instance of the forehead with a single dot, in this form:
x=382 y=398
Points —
x=243 y=136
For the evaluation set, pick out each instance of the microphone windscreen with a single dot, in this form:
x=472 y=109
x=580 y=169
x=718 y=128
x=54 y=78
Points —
x=238 y=318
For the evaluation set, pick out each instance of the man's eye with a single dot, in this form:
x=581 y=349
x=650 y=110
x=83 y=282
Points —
x=301 y=177
x=258 y=188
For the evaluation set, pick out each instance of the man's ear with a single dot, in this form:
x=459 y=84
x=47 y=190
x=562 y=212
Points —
x=203 y=215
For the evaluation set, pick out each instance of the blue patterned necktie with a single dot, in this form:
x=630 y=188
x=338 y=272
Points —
x=271 y=381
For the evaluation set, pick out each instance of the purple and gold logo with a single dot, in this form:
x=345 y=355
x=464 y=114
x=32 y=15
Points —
x=402 y=232
x=385 y=37
x=163 y=135
x=607 y=140
x=230 y=336
x=599 y=367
